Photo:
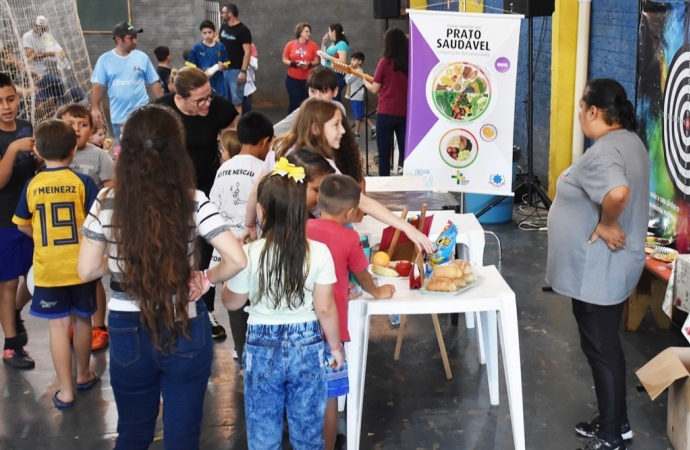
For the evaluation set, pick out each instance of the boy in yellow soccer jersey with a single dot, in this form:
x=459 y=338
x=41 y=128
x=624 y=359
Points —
x=52 y=209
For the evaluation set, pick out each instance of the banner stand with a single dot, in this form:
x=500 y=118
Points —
x=461 y=100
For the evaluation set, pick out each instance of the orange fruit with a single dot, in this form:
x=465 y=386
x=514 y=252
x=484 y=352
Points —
x=381 y=259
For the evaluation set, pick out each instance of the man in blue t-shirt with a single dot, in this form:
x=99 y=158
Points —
x=126 y=71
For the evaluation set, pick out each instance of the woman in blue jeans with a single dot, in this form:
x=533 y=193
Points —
x=390 y=83
x=160 y=336
x=289 y=281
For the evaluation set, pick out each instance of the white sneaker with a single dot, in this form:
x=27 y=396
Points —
x=217 y=330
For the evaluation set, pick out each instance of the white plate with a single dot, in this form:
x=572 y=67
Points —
x=376 y=275
x=452 y=294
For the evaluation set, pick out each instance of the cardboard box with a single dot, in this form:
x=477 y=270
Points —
x=682 y=283
x=671 y=369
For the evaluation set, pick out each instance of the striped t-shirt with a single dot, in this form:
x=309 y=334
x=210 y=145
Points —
x=208 y=224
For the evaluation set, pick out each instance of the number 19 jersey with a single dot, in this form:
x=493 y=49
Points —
x=55 y=203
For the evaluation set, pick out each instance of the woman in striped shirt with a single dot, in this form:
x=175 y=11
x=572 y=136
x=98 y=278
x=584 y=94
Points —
x=146 y=225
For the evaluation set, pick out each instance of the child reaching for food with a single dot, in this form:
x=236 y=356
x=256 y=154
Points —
x=338 y=200
x=319 y=127
x=316 y=168
x=289 y=280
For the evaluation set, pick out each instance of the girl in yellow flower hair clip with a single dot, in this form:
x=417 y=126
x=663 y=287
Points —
x=289 y=280
x=284 y=168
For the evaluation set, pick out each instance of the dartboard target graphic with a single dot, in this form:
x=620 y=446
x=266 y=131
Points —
x=676 y=121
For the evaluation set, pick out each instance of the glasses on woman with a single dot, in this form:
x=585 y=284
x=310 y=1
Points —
x=200 y=102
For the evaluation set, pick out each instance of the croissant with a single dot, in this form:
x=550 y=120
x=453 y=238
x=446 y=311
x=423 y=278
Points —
x=441 y=284
x=448 y=271
x=460 y=282
x=465 y=266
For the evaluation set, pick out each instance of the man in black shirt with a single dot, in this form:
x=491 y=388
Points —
x=204 y=115
x=163 y=57
x=238 y=41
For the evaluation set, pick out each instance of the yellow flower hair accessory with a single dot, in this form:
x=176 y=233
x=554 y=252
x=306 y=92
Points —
x=283 y=167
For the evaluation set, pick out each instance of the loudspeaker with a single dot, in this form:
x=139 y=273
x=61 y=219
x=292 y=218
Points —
x=386 y=9
x=530 y=8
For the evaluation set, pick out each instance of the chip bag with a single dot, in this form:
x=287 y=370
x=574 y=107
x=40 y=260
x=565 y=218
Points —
x=445 y=246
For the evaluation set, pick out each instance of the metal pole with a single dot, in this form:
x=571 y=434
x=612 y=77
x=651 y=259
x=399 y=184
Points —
x=366 y=130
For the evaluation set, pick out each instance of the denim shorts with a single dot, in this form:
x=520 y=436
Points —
x=337 y=379
x=234 y=91
x=284 y=371
x=60 y=301
x=16 y=253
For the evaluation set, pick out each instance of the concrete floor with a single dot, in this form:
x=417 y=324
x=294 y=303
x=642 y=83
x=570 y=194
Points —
x=409 y=404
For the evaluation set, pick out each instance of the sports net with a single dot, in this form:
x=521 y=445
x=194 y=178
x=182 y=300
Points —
x=42 y=48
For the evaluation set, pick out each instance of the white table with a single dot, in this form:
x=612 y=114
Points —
x=491 y=296
x=402 y=183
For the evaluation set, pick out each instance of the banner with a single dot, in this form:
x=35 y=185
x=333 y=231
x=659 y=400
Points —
x=461 y=99
x=663 y=111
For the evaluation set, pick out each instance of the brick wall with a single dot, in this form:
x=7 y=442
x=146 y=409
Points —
x=175 y=24
x=171 y=23
x=612 y=54
x=613 y=44
x=541 y=60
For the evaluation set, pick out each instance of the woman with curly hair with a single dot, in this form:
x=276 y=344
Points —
x=160 y=336
x=390 y=83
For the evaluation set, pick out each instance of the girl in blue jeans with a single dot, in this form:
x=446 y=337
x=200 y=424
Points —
x=160 y=336
x=289 y=281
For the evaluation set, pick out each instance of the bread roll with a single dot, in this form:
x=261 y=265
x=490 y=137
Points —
x=470 y=278
x=465 y=266
x=441 y=284
x=460 y=282
x=448 y=271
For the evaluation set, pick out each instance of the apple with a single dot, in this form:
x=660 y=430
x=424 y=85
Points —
x=403 y=268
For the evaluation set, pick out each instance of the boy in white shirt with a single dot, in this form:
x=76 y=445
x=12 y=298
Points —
x=234 y=182
x=236 y=178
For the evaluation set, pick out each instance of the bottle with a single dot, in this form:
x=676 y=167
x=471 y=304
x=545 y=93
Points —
x=364 y=240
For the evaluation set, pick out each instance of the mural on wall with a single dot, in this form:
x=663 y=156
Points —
x=663 y=109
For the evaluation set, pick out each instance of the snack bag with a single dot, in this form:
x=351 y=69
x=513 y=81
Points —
x=445 y=246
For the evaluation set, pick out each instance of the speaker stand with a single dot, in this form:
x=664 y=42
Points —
x=533 y=187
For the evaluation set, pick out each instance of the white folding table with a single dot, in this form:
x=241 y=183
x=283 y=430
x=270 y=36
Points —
x=491 y=296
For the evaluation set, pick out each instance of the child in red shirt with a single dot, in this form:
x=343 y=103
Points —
x=338 y=200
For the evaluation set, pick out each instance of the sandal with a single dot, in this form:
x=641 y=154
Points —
x=59 y=404
x=89 y=384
